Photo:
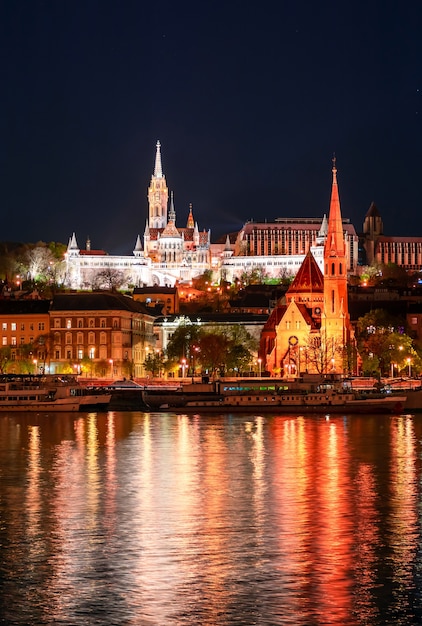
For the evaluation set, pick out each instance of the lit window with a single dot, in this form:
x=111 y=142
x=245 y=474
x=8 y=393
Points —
x=4 y=341
x=68 y=323
x=92 y=353
x=14 y=341
x=4 y=326
x=13 y=326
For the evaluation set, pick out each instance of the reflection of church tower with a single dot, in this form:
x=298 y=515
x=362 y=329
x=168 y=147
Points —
x=158 y=194
x=335 y=328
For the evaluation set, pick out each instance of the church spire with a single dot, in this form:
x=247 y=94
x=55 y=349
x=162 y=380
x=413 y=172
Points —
x=191 y=222
x=172 y=212
x=335 y=328
x=158 y=169
x=334 y=244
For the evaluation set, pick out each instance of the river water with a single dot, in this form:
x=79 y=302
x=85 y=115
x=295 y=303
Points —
x=164 y=519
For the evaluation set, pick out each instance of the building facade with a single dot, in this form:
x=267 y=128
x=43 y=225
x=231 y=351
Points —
x=169 y=253
x=90 y=334
x=405 y=252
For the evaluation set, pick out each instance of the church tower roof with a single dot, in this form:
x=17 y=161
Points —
x=309 y=278
x=170 y=230
x=191 y=222
x=334 y=244
x=373 y=211
x=158 y=169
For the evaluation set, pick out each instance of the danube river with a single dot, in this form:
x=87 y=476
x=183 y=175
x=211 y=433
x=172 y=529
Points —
x=164 y=519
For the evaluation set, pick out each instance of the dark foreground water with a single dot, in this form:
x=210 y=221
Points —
x=127 y=518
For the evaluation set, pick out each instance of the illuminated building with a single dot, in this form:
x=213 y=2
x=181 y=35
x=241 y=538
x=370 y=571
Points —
x=170 y=253
x=379 y=248
x=310 y=331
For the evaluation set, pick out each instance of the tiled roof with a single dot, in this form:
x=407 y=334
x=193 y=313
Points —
x=96 y=302
x=18 y=307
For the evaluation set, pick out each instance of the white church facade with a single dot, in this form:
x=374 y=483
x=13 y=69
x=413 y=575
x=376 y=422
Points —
x=171 y=254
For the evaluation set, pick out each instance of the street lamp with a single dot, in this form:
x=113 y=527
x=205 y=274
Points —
x=183 y=367
x=409 y=364
x=259 y=367
x=111 y=367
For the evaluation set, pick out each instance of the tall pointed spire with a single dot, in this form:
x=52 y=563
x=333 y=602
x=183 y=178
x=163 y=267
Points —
x=191 y=223
x=334 y=244
x=335 y=328
x=172 y=212
x=158 y=169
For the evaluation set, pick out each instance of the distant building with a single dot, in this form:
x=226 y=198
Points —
x=170 y=253
x=405 y=252
x=164 y=298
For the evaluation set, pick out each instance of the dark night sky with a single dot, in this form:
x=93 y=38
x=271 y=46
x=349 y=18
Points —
x=249 y=101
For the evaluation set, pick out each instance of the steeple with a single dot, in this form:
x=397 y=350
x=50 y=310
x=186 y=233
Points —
x=138 y=247
x=334 y=244
x=158 y=169
x=172 y=212
x=322 y=233
x=191 y=222
x=335 y=329
x=158 y=194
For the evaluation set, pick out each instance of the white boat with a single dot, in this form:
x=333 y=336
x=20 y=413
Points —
x=282 y=397
x=32 y=393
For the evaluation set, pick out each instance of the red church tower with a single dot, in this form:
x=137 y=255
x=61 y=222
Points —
x=335 y=323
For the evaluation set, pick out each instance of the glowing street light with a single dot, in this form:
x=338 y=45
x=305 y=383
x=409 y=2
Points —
x=183 y=367
x=111 y=366
x=259 y=367
x=409 y=365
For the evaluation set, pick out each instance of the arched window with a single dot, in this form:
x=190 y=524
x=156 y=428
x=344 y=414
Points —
x=332 y=269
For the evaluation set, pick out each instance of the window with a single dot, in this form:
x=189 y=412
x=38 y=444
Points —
x=4 y=326
x=91 y=323
x=92 y=353
x=91 y=338
x=80 y=338
x=31 y=326
x=13 y=343
x=68 y=323
x=103 y=323
x=69 y=354
x=80 y=353
x=4 y=341
x=40 y=325
x=22 y=326
x=57 y=353
x=22 y=340
x=80 y=323
x=68 y=338
x=56 y=323
x=13 y=326
x=103 y=338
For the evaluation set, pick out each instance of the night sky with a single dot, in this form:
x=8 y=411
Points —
x=249 y=101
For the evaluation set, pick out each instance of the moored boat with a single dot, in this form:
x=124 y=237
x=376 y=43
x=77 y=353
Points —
x=33 y=393
x=326 y=397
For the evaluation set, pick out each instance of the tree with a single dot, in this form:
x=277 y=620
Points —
x=109 y=279
x=183 y=340
x=154 y=363
x=382 y=341
x=213 y=351
x=5 y=358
